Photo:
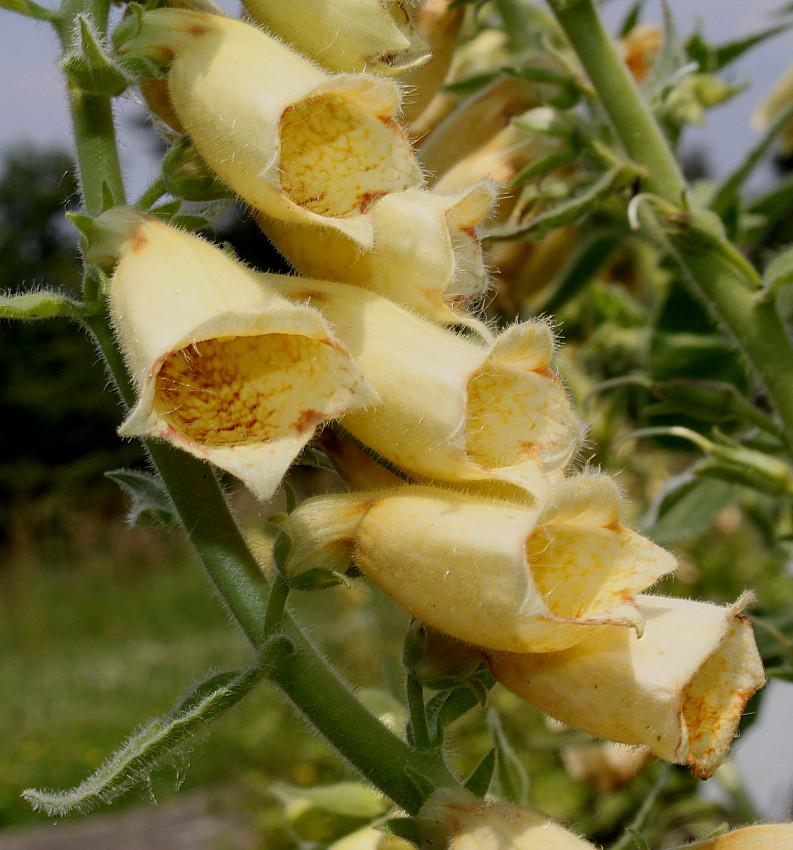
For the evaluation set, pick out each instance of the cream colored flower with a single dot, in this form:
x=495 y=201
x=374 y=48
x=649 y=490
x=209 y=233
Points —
x=680 y=690
x=763 y=836
x=453 y=408
x=378 y=36
x=495 y=574
x=293 y=141
x=605 y=766
x=225 y=367
x=454 y=819
x=438 y=22
x=426 y=254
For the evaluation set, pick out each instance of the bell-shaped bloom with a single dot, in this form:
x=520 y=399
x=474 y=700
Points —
x=290 y=139
x=347 y=35
x=773 y=105
x=680 y=690
x=225 y=367
x=762 y=836
x=475 y=122
x=453 y=408
x=501 y=575
x=426 y=254
x=454 y=819
x=439 y=23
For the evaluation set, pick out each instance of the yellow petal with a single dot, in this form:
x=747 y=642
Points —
x=764 y=836
x=454 y=819
x=680 y=689
x=470 y=567
x=225 y=368
x=290 y=139
x=426 y=254
x=468 y=410
x=346 y=35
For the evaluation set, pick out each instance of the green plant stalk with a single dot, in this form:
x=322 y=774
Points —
x=305 y=678
x=754 y=325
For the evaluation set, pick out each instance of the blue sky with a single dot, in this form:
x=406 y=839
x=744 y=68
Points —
x=33 y=109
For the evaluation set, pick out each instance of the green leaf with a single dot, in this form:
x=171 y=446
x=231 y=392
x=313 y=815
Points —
x=687 y=506
x=631 y=18
x=732 y=50
x=512 y=778
x=444 y=708
x=37 y=305
x=32 y=10
x=567 y=212
x=132 y=764
x=471 y=85
x=344 y=798
x=479 y=781
x=150 y=504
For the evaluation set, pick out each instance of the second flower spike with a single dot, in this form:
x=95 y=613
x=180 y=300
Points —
x=225 y=367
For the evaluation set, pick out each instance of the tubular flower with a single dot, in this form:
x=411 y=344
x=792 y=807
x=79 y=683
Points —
x=680 y=690
x=293 y=141
x=476 y=121
x=468 y=411
x=347 y=35
x=496 y=574
x=426 y=254
x=454 y=819
x=763 y=836
x=439 y=23
x=225 y=367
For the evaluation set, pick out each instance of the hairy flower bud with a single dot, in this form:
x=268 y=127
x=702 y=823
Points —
x=225 y=367
x=454 y=819
x=293 y=141
x=680 y=690
x=426 y=254
x=496 y=574
x=453 y=408
x=346 y=35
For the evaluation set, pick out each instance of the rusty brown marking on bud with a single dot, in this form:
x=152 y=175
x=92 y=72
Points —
x=139 y=240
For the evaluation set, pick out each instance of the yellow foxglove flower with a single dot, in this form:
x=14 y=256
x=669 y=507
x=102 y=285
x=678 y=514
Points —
x=291 y=140
x=225 y=367
x=501 y=575
x=438 y=23
x=454 y=819
x=475 y=122
x=606 y=767
x=763 y=836
x=347 y=35
x=680 y=690
x=452 y=408
x=780 y=99
x=426 y=254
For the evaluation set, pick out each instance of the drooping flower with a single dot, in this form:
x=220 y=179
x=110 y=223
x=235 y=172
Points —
x=290 y=139
x=224 y=367
x=496 y=574
x=426 y=254
x=680 y=690
x=452 y=408
x=454 y=819
x=347 y=35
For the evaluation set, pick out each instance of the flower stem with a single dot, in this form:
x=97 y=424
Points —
x=755 y=325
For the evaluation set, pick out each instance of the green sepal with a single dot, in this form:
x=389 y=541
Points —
x=446 y=707
x=89 y=66
x=748 y=468
x=512 y=778
x=778 y=273
x=31 y=10
x=150 y=504
x=471 y=85
x=187 y=176
x=631 y=18
x=145 y=63
x=712 y=58
x=44 y=304
x=132 y=764
x=343 y=798
x=569 y=88
x=319 y=578
x=314 y=459
x=545 y=164
x=480 y=780
x=405 y=828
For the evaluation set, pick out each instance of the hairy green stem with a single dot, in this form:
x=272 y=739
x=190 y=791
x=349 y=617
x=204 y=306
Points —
x=310 y=684
x=753 y=324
